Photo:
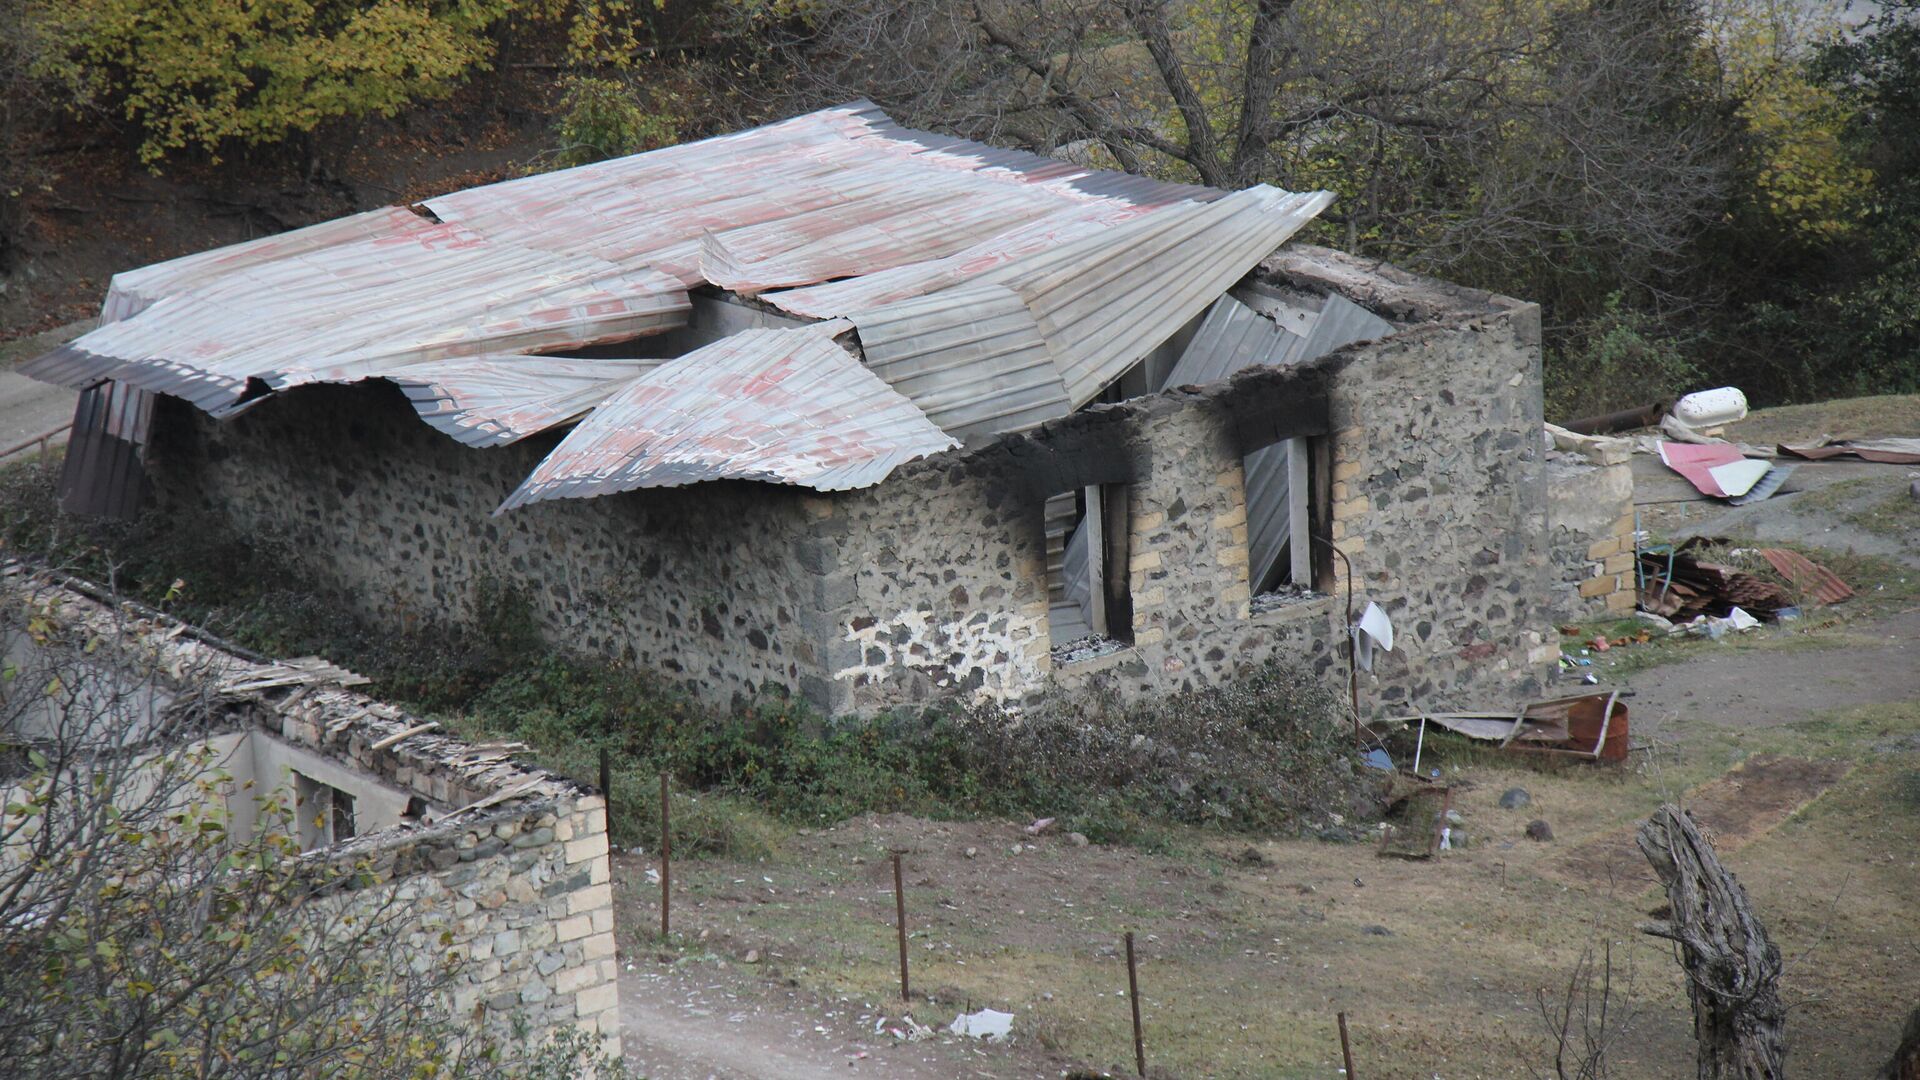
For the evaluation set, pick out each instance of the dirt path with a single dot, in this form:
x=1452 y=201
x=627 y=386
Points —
x=1869 y=663
x=706 y=1021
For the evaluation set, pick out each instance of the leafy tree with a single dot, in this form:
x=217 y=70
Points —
x=602 y=118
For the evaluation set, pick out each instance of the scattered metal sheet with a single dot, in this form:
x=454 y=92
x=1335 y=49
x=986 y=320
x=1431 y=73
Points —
x=1812 y=579
x=104 y=474
x=1886 y=451
x=780 y=406
x=1585 y=725
x=1768 y=486
x=495 y=400
x=1677 y=586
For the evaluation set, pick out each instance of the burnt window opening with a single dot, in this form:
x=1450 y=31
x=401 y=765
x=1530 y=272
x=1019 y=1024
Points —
x=1286 y=507
x=1089 y=599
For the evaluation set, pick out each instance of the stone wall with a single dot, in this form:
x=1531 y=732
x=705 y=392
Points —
x=1432 y=469
x=510 y=862
x=933 y=582
x=709 y=584
x=1590 y=524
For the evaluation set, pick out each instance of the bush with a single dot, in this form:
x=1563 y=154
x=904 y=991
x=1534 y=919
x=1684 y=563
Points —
x=1616 y=360
x=602 y=118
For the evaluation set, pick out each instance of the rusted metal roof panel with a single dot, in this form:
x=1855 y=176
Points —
x=1104 y=301
x=495 y=400
x=971 y=358
x=780 y=406
x=407 y=291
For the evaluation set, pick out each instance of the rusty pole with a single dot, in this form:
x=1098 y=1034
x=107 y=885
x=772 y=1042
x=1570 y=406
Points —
x=666 y=857
x=1133 y=996
x=900 y=923
x=1346 y=1048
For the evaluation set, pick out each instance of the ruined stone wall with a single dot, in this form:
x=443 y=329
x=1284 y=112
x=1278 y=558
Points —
x=932 y=583
x=1590 y=538
x=523 y=889
x=708 y=585
x=508 y=871
x=1436 y=494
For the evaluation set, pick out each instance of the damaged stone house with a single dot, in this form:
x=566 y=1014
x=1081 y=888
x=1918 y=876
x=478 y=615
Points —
x=868 y=415
x=497 y=863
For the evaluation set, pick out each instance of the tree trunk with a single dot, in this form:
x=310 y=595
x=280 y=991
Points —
x=1733 y=968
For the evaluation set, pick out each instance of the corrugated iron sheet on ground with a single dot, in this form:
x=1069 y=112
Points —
x=781 y=406
x=1808 y=576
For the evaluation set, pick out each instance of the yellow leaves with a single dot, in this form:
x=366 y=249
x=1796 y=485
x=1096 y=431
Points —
x=203 y=72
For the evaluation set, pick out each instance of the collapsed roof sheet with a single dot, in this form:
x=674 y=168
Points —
x=993 y=288
x=782 y=406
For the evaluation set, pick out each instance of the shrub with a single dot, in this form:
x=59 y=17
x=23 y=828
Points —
x=602 y=118
x=1616 y=360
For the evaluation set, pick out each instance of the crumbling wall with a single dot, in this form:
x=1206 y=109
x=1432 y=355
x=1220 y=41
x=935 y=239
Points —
x=506 y=869
x=706 y=584
x=522 y=890
x=1590 y=540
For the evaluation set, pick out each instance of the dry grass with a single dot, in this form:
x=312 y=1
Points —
x=1244 y=964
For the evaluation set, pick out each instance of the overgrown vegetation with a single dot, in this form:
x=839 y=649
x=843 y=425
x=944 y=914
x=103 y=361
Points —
x=1253 y=757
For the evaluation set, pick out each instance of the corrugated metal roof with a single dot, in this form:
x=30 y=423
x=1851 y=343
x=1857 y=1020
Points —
x=1104 y=301
x=994 y=288
x=781 y=406
x=495 y=400
x=971 y=358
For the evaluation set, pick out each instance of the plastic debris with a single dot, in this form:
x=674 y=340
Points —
x=1377 y=758
x=990 y=1024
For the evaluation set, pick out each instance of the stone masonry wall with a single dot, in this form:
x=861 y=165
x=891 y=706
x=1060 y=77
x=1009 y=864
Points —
x=1437 y=499
x=1590 y=526
x=512 y=864
x=932 y=583
x=708 y=585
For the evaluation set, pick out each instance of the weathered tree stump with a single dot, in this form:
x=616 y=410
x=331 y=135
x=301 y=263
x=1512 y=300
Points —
x=1732 y=967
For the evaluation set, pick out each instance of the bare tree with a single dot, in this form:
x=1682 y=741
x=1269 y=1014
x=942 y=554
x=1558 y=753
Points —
x=1592 y=1016
x=1561 y=149
x=1732 y=966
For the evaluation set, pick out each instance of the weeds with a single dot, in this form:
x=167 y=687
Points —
x=1253 y=756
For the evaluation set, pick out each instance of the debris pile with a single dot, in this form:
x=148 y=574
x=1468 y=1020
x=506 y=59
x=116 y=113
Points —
x=1679 y=587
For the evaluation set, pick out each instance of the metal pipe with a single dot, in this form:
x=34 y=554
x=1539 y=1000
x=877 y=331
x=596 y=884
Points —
x=39 y=440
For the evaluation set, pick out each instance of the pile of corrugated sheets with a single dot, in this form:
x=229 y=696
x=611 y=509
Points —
x=1678 y=586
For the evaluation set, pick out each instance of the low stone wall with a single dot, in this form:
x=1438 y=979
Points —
x=509 y=873
x=1590 y=531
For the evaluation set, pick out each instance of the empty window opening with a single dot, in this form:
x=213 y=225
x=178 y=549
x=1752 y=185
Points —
x=323 y=814
x=1089 y=605
x=1280 y=522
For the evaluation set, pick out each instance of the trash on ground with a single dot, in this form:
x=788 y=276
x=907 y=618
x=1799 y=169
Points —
x=1377 y=758
x=1374 y=628
x=1039 y=826
x=1808 y=576
x=1888 y=451
x=989 y=1024
x=1716 y=469
x=1585 y=725
x=1676 y=586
